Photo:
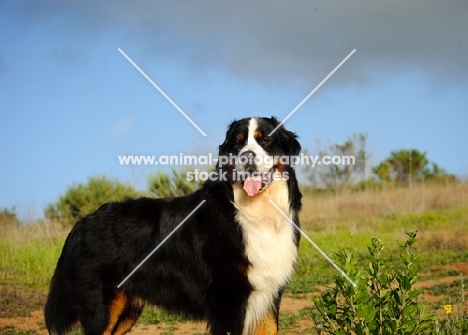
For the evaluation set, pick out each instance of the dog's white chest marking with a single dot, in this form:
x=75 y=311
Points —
x=270 y=247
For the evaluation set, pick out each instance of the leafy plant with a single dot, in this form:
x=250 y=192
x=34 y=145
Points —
x=383 y=301
x=8 y=218
x=163 y=185
x=82 y=199
x=456 y=314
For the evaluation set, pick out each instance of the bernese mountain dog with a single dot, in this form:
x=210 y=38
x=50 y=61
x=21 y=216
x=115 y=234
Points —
x=228 y=264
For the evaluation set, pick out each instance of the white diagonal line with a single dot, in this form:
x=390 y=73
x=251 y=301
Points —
x=310 y=94
x=162 y=92
x=312 y=242
x=160 y=244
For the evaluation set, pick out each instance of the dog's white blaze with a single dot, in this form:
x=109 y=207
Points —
x=252 y=145
x=270 y=247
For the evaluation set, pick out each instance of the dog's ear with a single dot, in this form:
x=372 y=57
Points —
x=223 y=148
x=291 y=146
x=287 y=139
x=222 y=151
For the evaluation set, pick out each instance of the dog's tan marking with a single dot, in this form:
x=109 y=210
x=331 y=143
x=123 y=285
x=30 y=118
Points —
x=129 y=316
x=115 y=310
x=280 y=167
x=243 y=268
x=267 y=326
x=125 y=325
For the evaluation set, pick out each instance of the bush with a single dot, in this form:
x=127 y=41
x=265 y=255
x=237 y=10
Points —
x=383 y=301
x=163 y=185
x=8 y=218
x=82 y=199
x=456 y=314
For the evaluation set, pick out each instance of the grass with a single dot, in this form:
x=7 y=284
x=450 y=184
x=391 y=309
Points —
x=448 y=290
x=436 y=244
x=288 y=321
x=10 y=330
x=155 y=315
x=26 y=265
x=349 y=220
x=28 y=254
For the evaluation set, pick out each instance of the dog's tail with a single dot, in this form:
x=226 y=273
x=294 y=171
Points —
x=58 y=314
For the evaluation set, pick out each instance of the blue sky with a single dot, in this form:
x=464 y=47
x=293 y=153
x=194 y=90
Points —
x=71 y=103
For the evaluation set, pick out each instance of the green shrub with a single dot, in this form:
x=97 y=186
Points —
x=82 y=199
x=383 y=301
x=8 y=218
x=163 y=185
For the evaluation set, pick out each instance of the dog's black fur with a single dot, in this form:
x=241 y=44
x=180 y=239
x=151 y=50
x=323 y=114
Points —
x=202 y=271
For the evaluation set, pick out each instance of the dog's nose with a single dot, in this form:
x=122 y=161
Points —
x=247 y=159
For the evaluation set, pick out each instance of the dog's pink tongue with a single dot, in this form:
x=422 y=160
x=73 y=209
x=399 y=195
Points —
x=252 y=185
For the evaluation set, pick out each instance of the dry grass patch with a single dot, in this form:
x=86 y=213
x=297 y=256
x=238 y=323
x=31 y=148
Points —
x=326 y=210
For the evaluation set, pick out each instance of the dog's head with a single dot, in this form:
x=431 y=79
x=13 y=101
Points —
x=252 y=157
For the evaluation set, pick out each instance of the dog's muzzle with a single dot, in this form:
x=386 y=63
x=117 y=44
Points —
x=254 y=181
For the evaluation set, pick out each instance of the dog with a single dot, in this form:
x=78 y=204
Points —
x=228 y=264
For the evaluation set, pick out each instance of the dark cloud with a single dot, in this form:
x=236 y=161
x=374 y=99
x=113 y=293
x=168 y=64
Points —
x=274 y=41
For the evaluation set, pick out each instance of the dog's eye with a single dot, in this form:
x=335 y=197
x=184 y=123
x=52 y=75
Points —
x=265 y=141
x=238 y=144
